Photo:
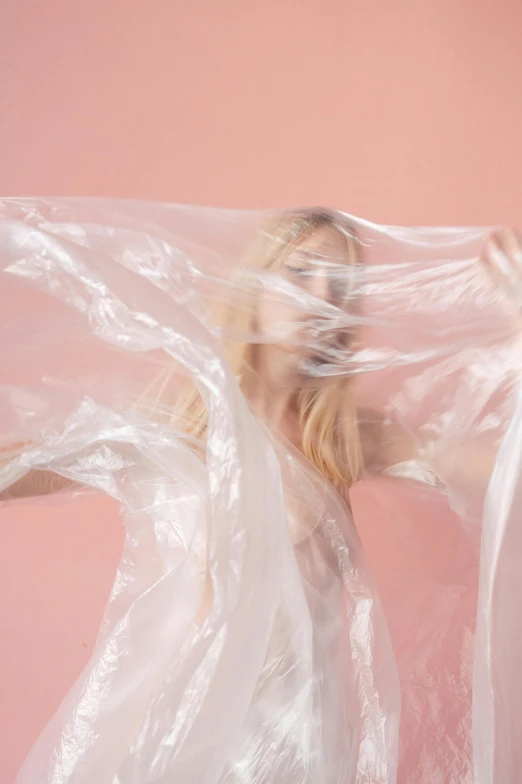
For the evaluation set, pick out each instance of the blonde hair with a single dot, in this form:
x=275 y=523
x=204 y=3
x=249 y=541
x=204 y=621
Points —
x=327 y=415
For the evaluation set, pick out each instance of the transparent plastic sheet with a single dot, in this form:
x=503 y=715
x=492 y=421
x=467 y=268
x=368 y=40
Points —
x=245 y=640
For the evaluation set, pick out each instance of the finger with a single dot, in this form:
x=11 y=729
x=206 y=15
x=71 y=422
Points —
x=500 y=262
x=512 y=247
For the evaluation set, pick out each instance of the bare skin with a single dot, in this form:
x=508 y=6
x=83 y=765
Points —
x=36 y=483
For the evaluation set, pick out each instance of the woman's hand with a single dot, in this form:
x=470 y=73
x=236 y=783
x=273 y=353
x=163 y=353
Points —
x=502 y=259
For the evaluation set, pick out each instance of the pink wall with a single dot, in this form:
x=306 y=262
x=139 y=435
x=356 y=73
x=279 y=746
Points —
x=400 y=111
x=397 y=111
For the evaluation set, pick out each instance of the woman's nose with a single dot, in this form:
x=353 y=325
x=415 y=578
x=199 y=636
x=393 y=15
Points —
x=320 y=286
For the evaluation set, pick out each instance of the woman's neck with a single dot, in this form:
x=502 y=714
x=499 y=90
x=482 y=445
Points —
x=275 y=406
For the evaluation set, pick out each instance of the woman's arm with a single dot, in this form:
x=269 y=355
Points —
x=388 y=448
x=34 y=483
x=470 y=462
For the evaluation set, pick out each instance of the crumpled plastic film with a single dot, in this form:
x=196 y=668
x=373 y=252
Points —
x=228 y=376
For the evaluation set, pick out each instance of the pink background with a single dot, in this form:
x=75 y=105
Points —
x=403 y=112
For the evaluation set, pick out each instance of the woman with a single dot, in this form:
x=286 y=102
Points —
x=299 y=324
x=296 y=338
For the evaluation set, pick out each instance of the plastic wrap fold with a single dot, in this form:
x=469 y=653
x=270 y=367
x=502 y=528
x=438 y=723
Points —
x=227 y=376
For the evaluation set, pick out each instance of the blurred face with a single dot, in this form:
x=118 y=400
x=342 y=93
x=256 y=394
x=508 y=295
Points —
x=321 y=274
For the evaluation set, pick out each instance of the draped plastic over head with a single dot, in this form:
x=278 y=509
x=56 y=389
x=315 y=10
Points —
x=145 y=350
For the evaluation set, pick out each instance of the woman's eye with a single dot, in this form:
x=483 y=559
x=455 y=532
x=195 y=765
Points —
x=298 y=271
